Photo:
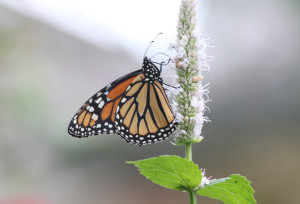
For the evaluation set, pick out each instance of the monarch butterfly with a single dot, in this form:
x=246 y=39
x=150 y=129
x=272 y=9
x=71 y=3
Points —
x=134 y=106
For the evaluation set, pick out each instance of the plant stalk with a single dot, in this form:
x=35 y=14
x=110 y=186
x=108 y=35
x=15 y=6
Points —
x=188 y=151
x=193 y=198
x=188 y=155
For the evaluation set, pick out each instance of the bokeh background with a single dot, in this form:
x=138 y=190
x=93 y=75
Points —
x=55 y=54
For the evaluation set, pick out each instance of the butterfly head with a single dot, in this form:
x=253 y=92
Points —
x=150 y=69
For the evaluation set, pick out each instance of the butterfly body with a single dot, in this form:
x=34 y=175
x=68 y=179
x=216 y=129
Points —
x=134 y=106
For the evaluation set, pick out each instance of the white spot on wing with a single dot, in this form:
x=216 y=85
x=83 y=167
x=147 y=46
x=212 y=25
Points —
x=98 y=100
x=95 y=117
x=92 y=109
x=101 y=104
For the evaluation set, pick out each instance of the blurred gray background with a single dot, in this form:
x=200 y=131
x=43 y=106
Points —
x=47 y=70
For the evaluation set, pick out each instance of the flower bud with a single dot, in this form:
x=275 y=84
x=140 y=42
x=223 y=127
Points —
x=186 y=118
x=195 y=79
x=200 y=77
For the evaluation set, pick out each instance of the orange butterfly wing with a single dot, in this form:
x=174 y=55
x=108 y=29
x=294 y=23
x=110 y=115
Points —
x=97 y=115
x=144 y=115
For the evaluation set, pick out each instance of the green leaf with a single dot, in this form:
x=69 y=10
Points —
x=235 y=189
x=171 y=172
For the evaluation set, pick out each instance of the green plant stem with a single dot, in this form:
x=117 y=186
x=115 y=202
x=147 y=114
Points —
x=188 y=155
x=193 y=198
x=188 y=151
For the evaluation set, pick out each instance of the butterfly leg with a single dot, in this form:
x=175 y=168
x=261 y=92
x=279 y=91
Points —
x=171 y=86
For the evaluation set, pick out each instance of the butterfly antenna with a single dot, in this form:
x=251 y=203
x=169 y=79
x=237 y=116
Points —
x=160 y=53
x=151 y=43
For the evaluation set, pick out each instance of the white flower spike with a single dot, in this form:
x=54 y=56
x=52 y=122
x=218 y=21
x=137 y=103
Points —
x=190 y=60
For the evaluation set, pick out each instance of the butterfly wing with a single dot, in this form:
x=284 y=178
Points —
x=97 y=115
x=144 y=115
